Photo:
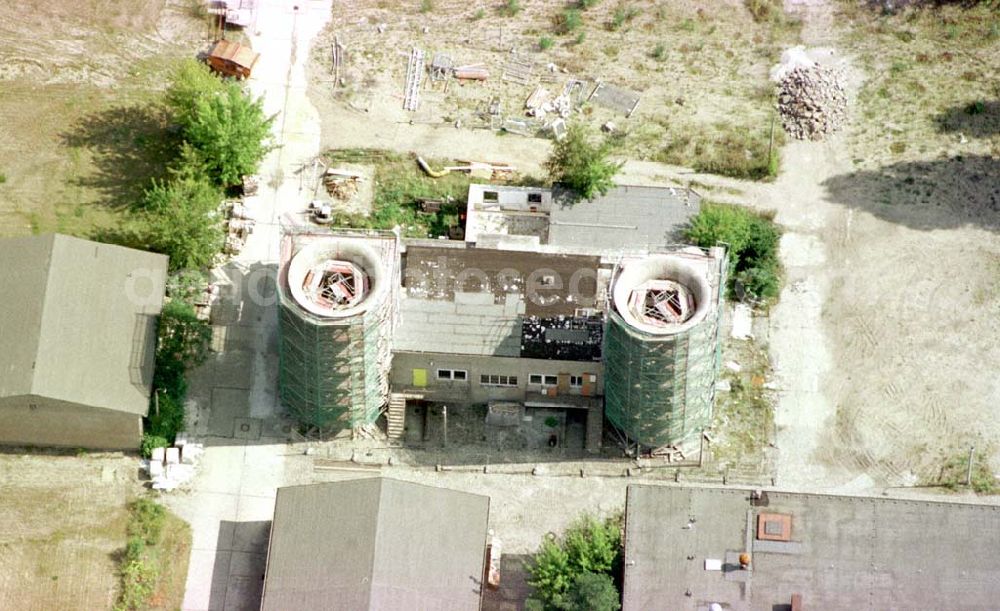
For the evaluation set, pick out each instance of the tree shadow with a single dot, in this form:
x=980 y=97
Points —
x=130 y=145
x=977 y=119
x=937 y=194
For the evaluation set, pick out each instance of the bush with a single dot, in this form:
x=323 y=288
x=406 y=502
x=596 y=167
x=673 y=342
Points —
x=581 y=165
x=589 y=546
x=568 y=21
x=511 y=8
x=151 y=442
x=146 y=521
x=621 y=16
x=753 y=240
x=764 y=10
x=182 y=343
x=545 y=43
x=593 y=592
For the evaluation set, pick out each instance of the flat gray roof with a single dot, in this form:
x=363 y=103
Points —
x=844 y=553
x=473 y=300
x=627 y=217
x=78 y=321
x=376 y=543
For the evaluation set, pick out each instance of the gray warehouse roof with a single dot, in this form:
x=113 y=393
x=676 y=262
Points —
x=839 y=553
x=375 y=543
x=77 y=321
x=626 y=217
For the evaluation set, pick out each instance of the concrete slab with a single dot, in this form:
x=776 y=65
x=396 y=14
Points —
x=228 y=405
x=246 y=428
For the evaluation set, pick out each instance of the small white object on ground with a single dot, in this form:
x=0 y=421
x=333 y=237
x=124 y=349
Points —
x=742 y=322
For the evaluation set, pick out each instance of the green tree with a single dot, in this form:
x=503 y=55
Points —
x=593 y=592
x=582 y=165
x=178 y=218
x=589 y=546
x=191 y=81
x=230 y=132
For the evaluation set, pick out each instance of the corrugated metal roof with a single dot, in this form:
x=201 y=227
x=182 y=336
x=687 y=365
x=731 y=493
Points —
x=77 y=321
x=235 y=52
x=626 y=217
x=375 y=543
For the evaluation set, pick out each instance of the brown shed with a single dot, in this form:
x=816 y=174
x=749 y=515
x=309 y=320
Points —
x=232 y=59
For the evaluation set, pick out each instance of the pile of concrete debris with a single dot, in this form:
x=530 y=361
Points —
x=811 y=101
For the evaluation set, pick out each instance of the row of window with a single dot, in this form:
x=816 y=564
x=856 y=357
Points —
x=536 y=379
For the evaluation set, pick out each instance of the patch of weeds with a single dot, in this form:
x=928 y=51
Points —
x=976 y=108
x=479 y=14
x=905 y=35
x=511 y=8
x=898 y=67
x=898 y=148
x=545 y=43
x=621 y=16
x=585 y=4
x=764 y=10
x=611 y=50
x=580 y=38
x=569 y=21
x=426 y=6
x=659 y=52
x=954 y=474
x=687 y=25
x=3 y=178
x=744 y=416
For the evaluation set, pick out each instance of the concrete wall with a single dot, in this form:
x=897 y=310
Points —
x=471 y=390
x=38 y=421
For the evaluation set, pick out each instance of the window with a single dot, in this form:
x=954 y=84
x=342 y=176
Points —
x=544 y=380
x=534 y=198
x=497 y=380
x=452 y=374
x=535 y=379
x=576 y=381
x=491 y=197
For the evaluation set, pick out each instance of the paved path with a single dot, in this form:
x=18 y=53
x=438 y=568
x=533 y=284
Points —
x=232 y=500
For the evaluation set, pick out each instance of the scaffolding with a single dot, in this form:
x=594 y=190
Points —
x=334 y=346
x=660 y=384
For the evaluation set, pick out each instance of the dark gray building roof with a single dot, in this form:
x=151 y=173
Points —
x=77 y=321
x=462 y=300
x=843 y=553
x=375 y=543
x=627 y=217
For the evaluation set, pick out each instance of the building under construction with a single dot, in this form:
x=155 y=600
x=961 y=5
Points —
x=662 y=348
x=337 y=315
x=551 y=314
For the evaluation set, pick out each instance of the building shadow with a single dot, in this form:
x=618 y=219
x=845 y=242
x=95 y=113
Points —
x=240 y=562
x=938 y=194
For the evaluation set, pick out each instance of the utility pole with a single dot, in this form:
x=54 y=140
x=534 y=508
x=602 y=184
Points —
x=444 y=412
